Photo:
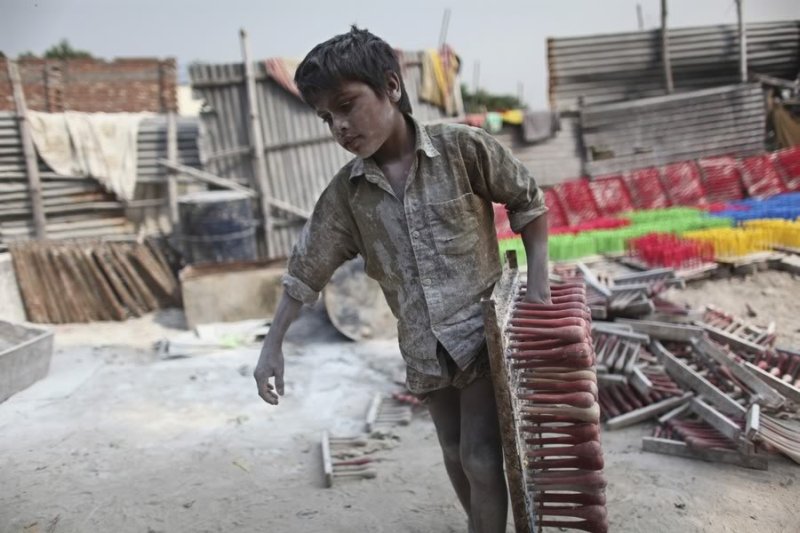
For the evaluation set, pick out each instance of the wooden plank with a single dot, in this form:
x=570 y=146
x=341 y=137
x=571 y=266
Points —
x=649 y=411
x=106 y=264
x=523 y=517
x=767 y=396
x=71 y=294
x=664 y=330
x=111 y=303
x=153 y=276
x=131 y=277
x=24 y=269
x=786 y=389
x=714 y=455
x=687 y=377
x=327 y=464
x=372 y=412
x=715 y=419
x=51 y=292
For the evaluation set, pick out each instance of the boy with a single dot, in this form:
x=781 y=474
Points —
x=415 y=202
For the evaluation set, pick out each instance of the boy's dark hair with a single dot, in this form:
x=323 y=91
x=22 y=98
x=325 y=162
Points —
x=356 y=55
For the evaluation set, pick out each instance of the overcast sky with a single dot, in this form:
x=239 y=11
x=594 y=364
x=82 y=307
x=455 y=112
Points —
x=507 y=37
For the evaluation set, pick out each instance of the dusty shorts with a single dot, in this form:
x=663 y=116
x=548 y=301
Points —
x=421 y=384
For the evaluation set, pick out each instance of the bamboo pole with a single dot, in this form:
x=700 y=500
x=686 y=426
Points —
x=172 y=175
x=31 y=165
x=742 y=42
x=257 y=144
x=665 y=59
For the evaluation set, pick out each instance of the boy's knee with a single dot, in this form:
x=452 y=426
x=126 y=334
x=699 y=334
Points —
x=451 y=446
x=482 y=462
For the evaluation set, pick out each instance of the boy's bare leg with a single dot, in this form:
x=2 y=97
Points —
x=445 y=408
x=482 y=457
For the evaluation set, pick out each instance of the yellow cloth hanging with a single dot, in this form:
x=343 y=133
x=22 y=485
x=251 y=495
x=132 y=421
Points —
x=439 y=71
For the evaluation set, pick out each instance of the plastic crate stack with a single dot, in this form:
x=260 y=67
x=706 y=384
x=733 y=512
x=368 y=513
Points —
x=667 y=250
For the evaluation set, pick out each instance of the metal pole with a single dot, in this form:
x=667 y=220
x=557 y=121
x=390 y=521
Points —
x=31 y=164
x=742 y=43
x=665 y=49
x=257 y=144
x=640 y=16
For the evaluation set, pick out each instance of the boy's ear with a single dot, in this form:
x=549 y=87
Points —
x=393 y=89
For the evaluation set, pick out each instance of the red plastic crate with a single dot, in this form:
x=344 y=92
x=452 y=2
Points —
x=646 y=189
x=577 y=201
x=556 y=217
x=761 y=177
x=683 y=185
x=788 y=160
x=611 y=195
x=722 y=180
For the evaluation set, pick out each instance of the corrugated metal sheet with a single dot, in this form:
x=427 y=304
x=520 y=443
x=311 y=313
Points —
x=551 y=161
x=74 y=206
x=300 y=153
x=151 y=184
x=627 y=66
x=80 y=207
x=667 y=129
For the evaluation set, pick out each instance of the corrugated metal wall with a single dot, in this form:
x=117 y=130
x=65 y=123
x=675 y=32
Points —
x=667 y=129
x=626 y=66
x=80 y=207
x=551 y=161
x=74 y=206
x=301 y=155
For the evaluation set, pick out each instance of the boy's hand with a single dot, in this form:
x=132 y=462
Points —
x=539 y=295
x=270 y=364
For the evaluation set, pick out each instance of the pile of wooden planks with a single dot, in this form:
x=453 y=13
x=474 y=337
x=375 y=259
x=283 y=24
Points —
x=83 y=281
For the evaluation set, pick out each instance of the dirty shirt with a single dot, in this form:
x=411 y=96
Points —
x=434 y=252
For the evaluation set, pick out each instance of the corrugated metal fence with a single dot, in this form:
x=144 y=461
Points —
x=553 y=160
x=77 y=206
x=667 y=129
x=300 y=153
x=626 y=66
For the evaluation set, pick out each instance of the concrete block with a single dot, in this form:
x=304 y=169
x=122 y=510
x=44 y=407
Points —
x=25 y=354
x=11 y=307
x=229 y=292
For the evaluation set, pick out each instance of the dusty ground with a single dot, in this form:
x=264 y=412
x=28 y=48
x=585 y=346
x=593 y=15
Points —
x=773 y=296
x=115 y=440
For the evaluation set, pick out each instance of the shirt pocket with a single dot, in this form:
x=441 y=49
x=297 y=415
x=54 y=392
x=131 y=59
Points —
x=454 y=225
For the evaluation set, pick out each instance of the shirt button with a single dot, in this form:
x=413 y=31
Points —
x=415 y=234
x=426 y=281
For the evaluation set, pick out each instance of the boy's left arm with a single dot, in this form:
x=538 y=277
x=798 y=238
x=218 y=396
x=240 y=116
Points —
x=534 y=238
x=506 y=180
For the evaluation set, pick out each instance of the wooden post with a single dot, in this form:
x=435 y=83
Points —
x=257 y=144
x=665 y=49
x=742 y=43
x=172 y=175
x=31 y=165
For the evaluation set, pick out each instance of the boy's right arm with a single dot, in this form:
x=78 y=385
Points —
x=270 y=363
x=325 y=243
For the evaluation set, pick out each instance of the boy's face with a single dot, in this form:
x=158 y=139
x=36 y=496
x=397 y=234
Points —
x=360 y=120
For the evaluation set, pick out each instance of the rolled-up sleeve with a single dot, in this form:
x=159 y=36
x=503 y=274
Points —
x=327 y=241
x=505 y=180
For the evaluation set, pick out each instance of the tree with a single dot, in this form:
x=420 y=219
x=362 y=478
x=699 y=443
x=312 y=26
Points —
x=64 y=50
x=481 y=101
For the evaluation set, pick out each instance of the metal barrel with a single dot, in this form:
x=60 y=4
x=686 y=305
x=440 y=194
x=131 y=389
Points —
x=217 y=227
